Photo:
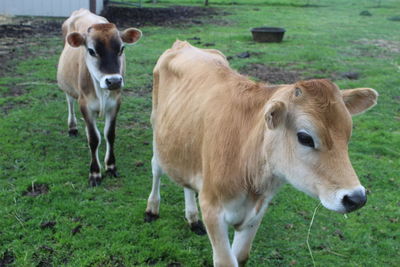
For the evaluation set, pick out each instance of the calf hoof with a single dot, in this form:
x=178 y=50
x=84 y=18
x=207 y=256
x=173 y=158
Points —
x=198 y=228
x=150 y=217
x=242 y=263
x=112 y=172
x=73 y=132
x=94 y=179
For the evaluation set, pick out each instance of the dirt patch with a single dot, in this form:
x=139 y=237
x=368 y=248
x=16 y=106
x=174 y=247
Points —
x=394 y=18
x=6 y=108
x=14 y=90
x=36 y=190
x=46 y=225
x=7 y=259
x=19 y=27
x=270 y=74
x=385 y=45
x=171 y=16
x=44 y=256
x=19 y=34
x=174 y=264
x=351 y=75
x=113 y=260
x=144 y=91
x=76 y=229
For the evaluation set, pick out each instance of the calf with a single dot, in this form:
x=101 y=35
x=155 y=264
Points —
x=91 y=69
x=236 y=142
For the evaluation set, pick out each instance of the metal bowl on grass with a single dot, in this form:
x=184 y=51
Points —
x=268 y=34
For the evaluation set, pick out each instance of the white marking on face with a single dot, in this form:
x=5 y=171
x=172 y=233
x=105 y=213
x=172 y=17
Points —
x=103 y=83
x=334 y=201
x=92 y=63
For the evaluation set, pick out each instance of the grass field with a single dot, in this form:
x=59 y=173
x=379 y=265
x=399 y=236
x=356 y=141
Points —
x=75 y=225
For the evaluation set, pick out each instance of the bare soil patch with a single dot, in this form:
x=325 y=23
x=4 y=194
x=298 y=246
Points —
x=44 y=256
x=19 y=34
x=15 y=90
x=171 y=16
x=48 y=224
x=9 y=106
x=387 y=47
x=7 y=259
x=76 y=229
x=36 y=190
x=281 y=75
x=270 y=74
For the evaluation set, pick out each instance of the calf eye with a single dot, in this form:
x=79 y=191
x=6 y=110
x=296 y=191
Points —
x=122 y=50
x=305 y=139
x=91 y=52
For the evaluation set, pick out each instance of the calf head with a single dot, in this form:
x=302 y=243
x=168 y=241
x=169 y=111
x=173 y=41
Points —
x=310 y=127
x=104 y=46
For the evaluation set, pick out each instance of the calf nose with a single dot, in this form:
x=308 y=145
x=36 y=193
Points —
x=354 y=200
x=114 y=83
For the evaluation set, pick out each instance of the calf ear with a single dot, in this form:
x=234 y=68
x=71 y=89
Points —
x=359 y=100
x=275 y=114
x=131 y=35
x=75 y=39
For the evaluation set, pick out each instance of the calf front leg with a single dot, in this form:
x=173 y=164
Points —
x=192 y=213
x=243 y=240
x=93 y=136
x=109 y=135
x=72 y=130
x=153 y=202
x=217 y=230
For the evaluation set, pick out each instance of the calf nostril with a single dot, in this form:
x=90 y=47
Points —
x=113 y=82
x=354 y=201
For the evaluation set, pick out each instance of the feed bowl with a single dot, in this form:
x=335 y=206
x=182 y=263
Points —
x=268 y=34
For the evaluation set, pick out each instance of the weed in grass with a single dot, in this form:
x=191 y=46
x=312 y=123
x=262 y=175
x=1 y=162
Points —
x=309 y=232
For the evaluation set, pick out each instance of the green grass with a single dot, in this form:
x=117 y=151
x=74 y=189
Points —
x=320 y=41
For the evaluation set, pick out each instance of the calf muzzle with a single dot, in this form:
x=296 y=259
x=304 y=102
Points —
x=354 y=201
x=113 y=83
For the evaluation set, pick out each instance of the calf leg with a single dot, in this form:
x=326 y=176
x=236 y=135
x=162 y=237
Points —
x=217 y=230
x=153 y=202
x=72 y=130
x=192 y=213
x=109 y=135
x=243 y=240
x=93 y=136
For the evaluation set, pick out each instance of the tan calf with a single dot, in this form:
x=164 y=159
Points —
x=236 y=142
x=91 y=69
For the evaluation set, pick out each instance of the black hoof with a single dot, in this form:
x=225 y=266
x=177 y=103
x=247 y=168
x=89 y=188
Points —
x=73 y=132
x=198 y=228
x=150 y=217
x=94 y=180
x=112 y=172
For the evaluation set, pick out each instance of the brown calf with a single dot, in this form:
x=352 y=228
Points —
x=91 y=69
x=236 y=142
